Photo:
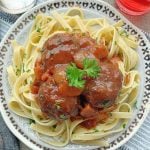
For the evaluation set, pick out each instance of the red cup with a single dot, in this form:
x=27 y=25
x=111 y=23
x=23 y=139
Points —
x=134 y=7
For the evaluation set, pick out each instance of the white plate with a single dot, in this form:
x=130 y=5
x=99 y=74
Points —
x=92 y=8
x=20 y=10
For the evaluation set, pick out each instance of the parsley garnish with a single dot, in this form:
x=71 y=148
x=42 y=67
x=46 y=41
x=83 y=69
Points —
x=18 y=71
x=25 y=81
x=135 y=105
x=96 y=130
x=28 y=70
x=75 y=75
x=106 y=103
x=31 y=121
x=38 y=29
x=63 y=117
x=124 y=33
x=24 y=55
x=83 y=34
x=49 y=19
x=34 y=17
x=124 y=125
x=66 y=29
x=110 y=114
x=91 y=67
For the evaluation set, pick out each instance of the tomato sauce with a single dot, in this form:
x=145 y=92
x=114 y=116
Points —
x=61 y=101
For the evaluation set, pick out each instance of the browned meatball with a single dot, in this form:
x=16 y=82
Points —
x=102 y=91
x=59 y=49
x=55 y=105
x=58 y=40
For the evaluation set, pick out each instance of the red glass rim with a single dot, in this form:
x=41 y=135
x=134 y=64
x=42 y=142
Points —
x=128 y=10
x=136 y=5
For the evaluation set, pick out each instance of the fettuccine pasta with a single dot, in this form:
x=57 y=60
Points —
x=21 y=75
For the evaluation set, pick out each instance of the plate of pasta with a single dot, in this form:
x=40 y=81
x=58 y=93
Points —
x=75 y=75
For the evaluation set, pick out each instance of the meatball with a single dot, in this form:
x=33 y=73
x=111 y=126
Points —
x=102 y=91
x=86 y=43
x=59 y=49
x=55 y=105
x=57 y=40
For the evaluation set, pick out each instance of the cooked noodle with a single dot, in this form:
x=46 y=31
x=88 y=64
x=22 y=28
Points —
x=21 y=75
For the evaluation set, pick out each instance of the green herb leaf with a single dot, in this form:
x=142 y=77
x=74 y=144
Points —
x=35 y=26
x=49 y=19
x=66 y=29
x=124 y=125
x=91 y=67
x=106 y=103
x=110 y=114
x=18 y=71
x=31 y=121
x=34 y=17
x=123 y=33
x=38 y=29
x=96 y=130
x=83 y=34
x=28 y=70
x=25 y=82
x=24 y=55
x=63 y=117
x=135 y=105
x=75 y=76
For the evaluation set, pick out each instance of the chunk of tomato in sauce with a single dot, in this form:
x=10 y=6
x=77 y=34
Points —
x=101 y=52
x=66 y=90
x=35 y=86
x=38 y=69
x=88 y=111
x=61 y=80
x=34 y=89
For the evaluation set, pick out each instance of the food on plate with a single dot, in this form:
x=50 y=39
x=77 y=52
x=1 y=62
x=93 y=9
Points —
x=75 y=78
